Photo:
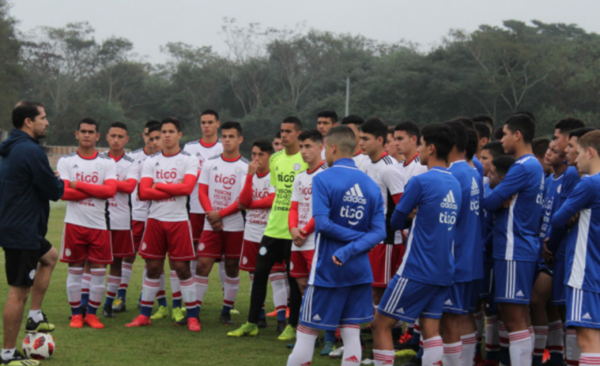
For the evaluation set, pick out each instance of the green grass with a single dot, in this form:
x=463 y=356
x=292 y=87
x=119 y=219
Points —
x=161 y=343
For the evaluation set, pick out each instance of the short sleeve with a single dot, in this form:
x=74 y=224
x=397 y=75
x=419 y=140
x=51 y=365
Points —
x=133 y=172
x=394 y=180
x=273 y=170
x=204 y=173
x=192 y=166
x=111 y=170
x=147 y=168
x=295 y=189
x=63 y=168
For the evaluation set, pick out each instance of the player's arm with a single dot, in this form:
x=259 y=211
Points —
x=365 y=243
x=246 y=193
x=181 y=189
x=514 y=181
x=69 y=194
x=203 y=197
x=100 y=191
x=406 y=205
x=44 y=180
x=266 y=202
x=147 y=193
x=394 y=181
x=127 y=186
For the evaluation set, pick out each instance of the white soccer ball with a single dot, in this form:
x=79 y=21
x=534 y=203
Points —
x=38 y=346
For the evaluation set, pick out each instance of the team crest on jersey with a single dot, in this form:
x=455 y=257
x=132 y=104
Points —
x=238 y=170
x=99 y=167
x=201 y=247
x=297 y=166
x=179 y=162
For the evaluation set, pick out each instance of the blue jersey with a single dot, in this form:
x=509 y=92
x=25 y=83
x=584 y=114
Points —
x=428 y=257
x=349 y=221
x=468 y=253
x=488 y=225
x=516 y=229
x=478 y=166
x=551 y=202
x=583 y=253
x=570 y=180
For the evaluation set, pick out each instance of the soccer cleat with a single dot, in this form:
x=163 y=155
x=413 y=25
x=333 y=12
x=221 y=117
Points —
x=181 y=323
x=273 y=313
x=119 y=306
x=93 y=321
x=107 y=312
x=193 y=325
x=405 y=343
x=367 y=361
x=42 y=326
x=327 y=348
x=281 y=327
x=248 y=329
x=178 y=315
x=226 y=319
x=414 y=362
x=18 y=359
x=288 y=334
x=234 y=311
x=139 y=321
x=262 y=323
x=336 y=352
x=161 y=313
x=76 y=321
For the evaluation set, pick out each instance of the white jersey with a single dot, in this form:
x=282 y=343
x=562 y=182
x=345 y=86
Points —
x=302 y=193
x=225 y=180
x=202 y=152
x=412 y=167
x=91 y=212
x=360 y=160
x=171 y=170
x=139 y=208
x=119 y=206
x=256 y=218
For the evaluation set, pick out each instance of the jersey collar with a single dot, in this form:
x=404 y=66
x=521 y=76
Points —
x=456 y=162
x=344 y=162
x=230 y=160
x=116 y=158
x=92 y=157
x=204 y=144
x=168 y=156
x=317 y=168
x=262 y=175
x=407 y=162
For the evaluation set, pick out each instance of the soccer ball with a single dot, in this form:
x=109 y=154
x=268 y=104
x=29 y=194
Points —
x=38 y=346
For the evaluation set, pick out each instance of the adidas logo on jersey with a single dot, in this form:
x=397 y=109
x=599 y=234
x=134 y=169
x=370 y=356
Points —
x=587 y=316
x=474 y=188
x=448 y=302
x=355 y=195
x=317 y=318
x=75 y=166
x=449 y=202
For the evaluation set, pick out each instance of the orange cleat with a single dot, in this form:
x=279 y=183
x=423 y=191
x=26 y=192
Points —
x=76 y=321
x=274 y=313
x=139 y=321
x=93 y=321
x=193 y=325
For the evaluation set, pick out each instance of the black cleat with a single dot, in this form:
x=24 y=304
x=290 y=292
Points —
x=108 y=312
x=262 y=323
x=119 y=306
x=181 y=323
x=19 y=360
x=42 y=326
x=226 y=319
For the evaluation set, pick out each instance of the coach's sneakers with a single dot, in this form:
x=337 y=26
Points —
x=107 y=311
x=18 y=359
x=93 y=321
x=76 y=321
x=336 y=352
x=288 y=334
x=248 y=329
x=178 y=315
x=226 y=319
x=119 y=306
x=193 y=325
x=41 y=326
x=139 y=321
x=161 y=313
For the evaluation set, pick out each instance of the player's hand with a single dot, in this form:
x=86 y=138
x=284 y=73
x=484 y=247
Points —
x=217 y=227
x=547 y=254
x=241 y=207
x=297 y=237
x=572 y=220
x=412 y=215
x=153 y=185
x=336 y=260
x=73 y=184
x=56 y=174
x=506 y=204
x=213 y=217
x=252 y=167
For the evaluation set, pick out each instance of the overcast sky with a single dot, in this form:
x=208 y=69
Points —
x=152 y=23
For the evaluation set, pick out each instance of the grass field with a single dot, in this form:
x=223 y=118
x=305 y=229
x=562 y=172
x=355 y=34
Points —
x=161 y=343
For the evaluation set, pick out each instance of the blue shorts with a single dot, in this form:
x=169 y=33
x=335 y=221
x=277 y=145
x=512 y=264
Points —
x=583 y=308
x=487 y=282
x=407 y=300
x=460 y=298
x=514 y=281
x=327 y=308
x=559 y=295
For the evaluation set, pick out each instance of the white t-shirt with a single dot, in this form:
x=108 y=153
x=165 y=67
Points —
x=91 y=212
x=139 y=208
x=412 y=167
x=256 y=218
x=172 y=170
x=225 y=180
x=360 y=160
x=302 y=193
x=118 y=206
x=202 y=152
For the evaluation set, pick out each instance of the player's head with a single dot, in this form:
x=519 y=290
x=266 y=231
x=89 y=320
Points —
x=311 y=145
x=572 y=145
x=170 y=130
x=87 y=133
x=437 y=140
x=340 y=142
x=562 y=129
x=589 y=146
x=554 y=157
x=526 y=113
x=209 y=122
x=353 y=121
x=472 y=144
x=461 y=137
x=277 y=146
x=326 y=120
x=373 y=135
x=117 y=136
x=489 y=152
x=147 y=131
x=483 y=134
x=518 y=130
x=498 y=133
x=261 y=153
x=154 y=141
x=231 y=136
x=408 y=137
x=489 y=121
x=390 y=143
x=30 y=117
x=291 y=128
x=540 y=146
x=499 y=169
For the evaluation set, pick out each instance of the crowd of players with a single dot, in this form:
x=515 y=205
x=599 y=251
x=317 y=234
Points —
x=434 y=236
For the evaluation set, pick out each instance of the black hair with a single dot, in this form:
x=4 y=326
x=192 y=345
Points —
x=172 y=120
x=295 y=120
x=461 y=138
x=23 y=110
x=498 y=134
x=232 y=124
x=568 y=124
x=540 y=146
x=526 y=113
x=472 y=144
x=211 y=112
x=466 y=121
x=375 y=127
x=483 y=130
x=313 y=135
x=328 y=114
x=154 y=127
x=118 y=125
x=151 y=123
x=495 y=148
x=441 y=136
x=353 y=119
x=524 y=124
x=484 y=119
x=580 y=131
x=410 y=128
x=502 y=164
x=87 y=121
x=277 y=135
x=263 y=145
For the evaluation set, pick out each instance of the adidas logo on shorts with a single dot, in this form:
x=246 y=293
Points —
x=355 y=195
x=520 y=293
x=449 y=202
x=448 y=302
x=400 y=311
x=587 y=316
x=317 y=318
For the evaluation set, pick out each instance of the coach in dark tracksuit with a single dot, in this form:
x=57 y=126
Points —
x=27 y=183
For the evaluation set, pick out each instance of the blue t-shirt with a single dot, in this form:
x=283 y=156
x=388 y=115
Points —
x=551 y=202
x=428 y=257
x=488 y=226
x=478 y=166
x=570 y=180
x=583 y=253
x=516 y=229
x=468 y=253
x=349 y=221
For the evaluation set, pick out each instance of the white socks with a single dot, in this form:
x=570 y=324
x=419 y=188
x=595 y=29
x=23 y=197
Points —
x=352 y=350
x=112 y=286
x=520 y=347
x=573 y=352
x=541 y=336
x=201 y=283
x=304 y=347
x=383 y=357
x=36 y=315
x=74 y=279
x=230 y=290
x=97 y=286
x=556 y=342
x=280 y=294
x=492 y=339
x=126 y=270
x=175 y=285
x=188 y=293
x=433 y=351
x=452 y=354
x=589 y=359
